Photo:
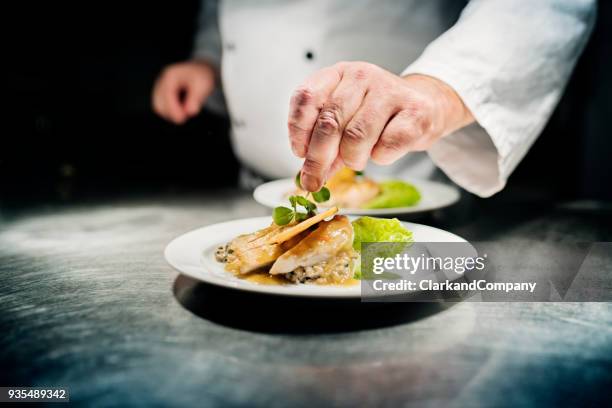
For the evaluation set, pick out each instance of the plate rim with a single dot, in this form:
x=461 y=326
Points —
x=340 y=292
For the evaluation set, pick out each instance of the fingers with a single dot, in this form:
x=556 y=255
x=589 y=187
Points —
x=354 y=111
x=159 y=102
x=322 y=150
x=336 y=112
x=305 y=105
x=362 y=132
x=166 y=98
x=336 y=165
x=172 y=103
x=404 y=133
x=193 y=79
x=196 y=94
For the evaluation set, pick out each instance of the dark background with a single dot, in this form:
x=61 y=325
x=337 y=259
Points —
x=79 y=122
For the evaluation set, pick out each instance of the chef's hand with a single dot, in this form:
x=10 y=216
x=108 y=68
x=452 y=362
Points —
x=353 y=111
x=181 y=90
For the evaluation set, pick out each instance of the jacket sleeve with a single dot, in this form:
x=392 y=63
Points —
x=509 y=60
x=208 y=47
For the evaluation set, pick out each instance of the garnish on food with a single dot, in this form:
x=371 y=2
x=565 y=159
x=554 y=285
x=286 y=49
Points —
x=284 y=215
x=322 y=248
x=303 y=246
x=302 y=226
x=353 y=189
x=299 y=245
x=314 y=250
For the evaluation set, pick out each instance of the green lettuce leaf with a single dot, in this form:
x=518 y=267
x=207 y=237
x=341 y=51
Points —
x=394 y=193
x=370 y=229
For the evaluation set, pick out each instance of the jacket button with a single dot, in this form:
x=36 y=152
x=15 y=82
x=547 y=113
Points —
x=309 y=55
x=238 y=123
x=230 y=46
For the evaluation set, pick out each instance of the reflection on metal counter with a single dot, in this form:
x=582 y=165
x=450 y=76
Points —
x=87 y=300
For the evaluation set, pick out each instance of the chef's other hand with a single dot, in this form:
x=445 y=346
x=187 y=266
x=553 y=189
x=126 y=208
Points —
x=353 y=111
x=181 y=89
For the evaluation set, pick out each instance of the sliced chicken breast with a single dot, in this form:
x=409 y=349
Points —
x=326 y=241
x=249 y=252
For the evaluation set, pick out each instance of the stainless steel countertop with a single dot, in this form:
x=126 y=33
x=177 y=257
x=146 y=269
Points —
x=87 y=301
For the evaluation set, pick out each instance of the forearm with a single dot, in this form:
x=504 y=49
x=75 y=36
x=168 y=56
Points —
x=207 y=42
x=509 y=62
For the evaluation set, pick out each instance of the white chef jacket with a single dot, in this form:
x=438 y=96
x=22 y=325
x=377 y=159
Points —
x=509 y=60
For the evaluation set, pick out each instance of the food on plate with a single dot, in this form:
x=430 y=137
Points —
x=326 y=254
x=394 y=194
x=369 y=229
x=322 y=253
x=302 y=226
x=351 y=189
x=302 y=246
x=250 y=252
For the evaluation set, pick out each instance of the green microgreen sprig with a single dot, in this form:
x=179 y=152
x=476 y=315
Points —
x=284 y=215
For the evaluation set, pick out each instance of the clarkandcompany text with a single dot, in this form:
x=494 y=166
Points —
x=405 y=285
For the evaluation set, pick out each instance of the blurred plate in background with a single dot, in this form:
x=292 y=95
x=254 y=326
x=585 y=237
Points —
x=434 y=196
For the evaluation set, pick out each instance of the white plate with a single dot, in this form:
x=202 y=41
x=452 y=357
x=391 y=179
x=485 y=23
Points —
x=193 y=254
x=434 y=196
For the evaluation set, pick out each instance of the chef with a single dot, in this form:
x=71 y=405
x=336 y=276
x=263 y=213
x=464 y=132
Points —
x=402 y=86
